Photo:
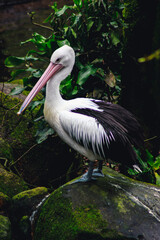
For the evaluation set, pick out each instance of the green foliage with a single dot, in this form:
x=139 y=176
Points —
x=154 y=55
x=150 y=168
x=94 y=29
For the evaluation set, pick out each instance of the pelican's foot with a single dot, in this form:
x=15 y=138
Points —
x=97 y=173
x=84 y=178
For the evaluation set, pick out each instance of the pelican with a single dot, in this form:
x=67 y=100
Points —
x=97 y=129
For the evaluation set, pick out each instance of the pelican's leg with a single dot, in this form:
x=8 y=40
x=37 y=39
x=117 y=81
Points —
x=88 y=175
x=98 y=172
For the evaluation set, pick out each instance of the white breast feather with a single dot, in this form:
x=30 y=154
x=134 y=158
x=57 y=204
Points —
x=86 y=130
x=78 y=129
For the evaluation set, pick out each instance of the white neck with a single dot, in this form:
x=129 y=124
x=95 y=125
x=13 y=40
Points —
x=53 y=96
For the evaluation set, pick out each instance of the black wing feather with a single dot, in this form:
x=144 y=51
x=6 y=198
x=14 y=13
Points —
x=124 y=127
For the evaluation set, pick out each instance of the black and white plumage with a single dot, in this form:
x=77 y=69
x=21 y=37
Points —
x=96 y=129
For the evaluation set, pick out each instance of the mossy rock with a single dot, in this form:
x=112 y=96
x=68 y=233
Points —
x=11 y=184
x=6 y=153
x=25 y=228
x=5 y=228
x=113 y=207
x=4 y=201
x=17 y=132
x=29 y=194
x=17 y=136
x=15 y=127
x=26 y=202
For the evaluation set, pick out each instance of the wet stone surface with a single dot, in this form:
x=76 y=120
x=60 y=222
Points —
x=123 y=209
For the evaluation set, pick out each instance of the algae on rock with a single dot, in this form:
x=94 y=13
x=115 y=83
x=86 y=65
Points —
x=4 y=201
x=5 y=228
x=14 y=128
x=11 y=184
x=113 y=207
x=24 y=203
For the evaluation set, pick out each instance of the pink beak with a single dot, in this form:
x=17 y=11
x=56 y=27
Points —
x=50 y=71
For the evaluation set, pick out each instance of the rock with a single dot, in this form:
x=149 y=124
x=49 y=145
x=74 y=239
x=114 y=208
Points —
x=24 y=205
x=11 y=184
x=4 y=201
x=25 y=228
x=14 y=127
x=5 y=228
x=6 y=152
x=113 y=207
x=7 y=87
x=25 y=202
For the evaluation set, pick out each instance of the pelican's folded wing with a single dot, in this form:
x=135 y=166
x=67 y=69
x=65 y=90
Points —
x=89 y=133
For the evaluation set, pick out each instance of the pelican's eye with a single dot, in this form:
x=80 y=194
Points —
x=58 y=60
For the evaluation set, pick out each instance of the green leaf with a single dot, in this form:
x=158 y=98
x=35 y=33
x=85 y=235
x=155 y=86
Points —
x=66 y=86
x=156 y=164
x=85 y=73
x=54 y=6
x=154 y=55
x=78 y=3
x=38 y=53
x=89 y=24
x=63 y=42
x=76 y=19
x=37 y=73
x=62 y=10
x=13 y=61
x=48 y=18
x=17 y=90
x=110 y=79
x=157 y=178
x=75 y=90
x=15 y=73
x=30 y=57
x=114 y=24
x=132 y=172
x=143 y=164
x=150 y=158
x=42 y=134
x=28 y=40
x=115 y=38
x=99 y=25
x=39 y=38
x=36 y=103
x=73 y=33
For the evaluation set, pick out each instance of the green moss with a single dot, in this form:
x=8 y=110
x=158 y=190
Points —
x=10 y=184
x=31 y=193
x=122 y=203
x=3 y=197
x=6 y=152
x=56 y=220
x=93 y=221
x=24 y=225
x=15 y=127
x=5 y=228
x=61 y=221
x=130 y=12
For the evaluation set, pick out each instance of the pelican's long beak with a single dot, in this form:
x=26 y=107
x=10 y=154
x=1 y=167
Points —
x=49 y=72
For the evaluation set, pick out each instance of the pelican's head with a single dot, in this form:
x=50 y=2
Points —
x=64 y=55
x=61 y=63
